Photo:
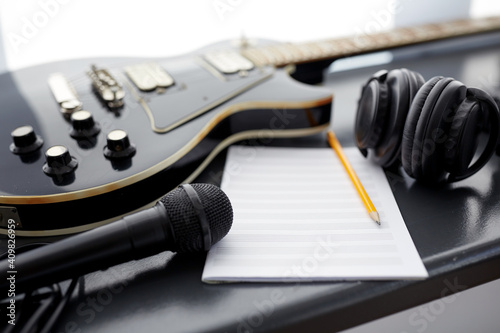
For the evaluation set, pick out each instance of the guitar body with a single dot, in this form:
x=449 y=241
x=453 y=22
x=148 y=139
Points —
x=175 y=131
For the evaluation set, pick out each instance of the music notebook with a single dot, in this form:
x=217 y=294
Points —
x=298 y=217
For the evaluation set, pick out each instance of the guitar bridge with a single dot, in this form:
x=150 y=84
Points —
x=107 y=87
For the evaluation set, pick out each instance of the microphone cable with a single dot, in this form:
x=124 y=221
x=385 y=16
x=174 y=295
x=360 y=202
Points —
x=40 y=308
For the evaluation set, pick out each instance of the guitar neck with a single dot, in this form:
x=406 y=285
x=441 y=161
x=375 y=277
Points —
x=287 y=53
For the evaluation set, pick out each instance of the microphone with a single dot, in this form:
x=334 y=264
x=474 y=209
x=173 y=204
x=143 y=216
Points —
x=190 y=218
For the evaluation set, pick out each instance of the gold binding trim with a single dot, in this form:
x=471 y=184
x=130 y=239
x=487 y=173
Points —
x=72 y=230
x=220 y=147
x=109 y=187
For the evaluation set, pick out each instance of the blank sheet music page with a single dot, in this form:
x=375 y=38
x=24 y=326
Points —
x=297 y=217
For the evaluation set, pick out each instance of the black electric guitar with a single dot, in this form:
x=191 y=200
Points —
x=84 y=143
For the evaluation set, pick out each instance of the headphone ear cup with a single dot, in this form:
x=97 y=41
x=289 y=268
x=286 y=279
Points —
x=428 y=129
x=414 y=113
x=372 y=111
x=408 y=83
x=467 y=124
x=416 y=81
x=382 y=112
x=462 y=138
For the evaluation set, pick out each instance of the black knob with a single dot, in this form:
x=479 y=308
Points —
x=25 y=140
x=59 y=161
x=118 y=145
x=84 y=125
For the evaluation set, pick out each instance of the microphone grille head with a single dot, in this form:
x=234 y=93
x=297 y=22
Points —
x=188 y=217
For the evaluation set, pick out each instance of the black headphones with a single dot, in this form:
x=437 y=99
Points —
x=431 y=127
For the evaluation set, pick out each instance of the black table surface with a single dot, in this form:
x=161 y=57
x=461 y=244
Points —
x=456 y=230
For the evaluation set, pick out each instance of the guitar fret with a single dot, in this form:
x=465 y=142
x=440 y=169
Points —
x=273 y=57
x=421 y=33
x=326 y=48
x=404 y=36
x=313 y=50
x=385 y=40
x=304 y=53
x=344 y=47
x=284 y=54
x=292 y=52
x=255 y=56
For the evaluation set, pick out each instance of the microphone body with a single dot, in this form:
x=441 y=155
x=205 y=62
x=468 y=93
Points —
x=135 y=236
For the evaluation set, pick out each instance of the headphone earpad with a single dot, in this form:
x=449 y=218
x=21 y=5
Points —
x=411 y=124
x=469 y=121
x=416 y=81
x=380 y=121
x=432 y=128
x=372 y=111
x=462 y=140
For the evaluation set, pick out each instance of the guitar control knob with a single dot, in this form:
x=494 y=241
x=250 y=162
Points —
x=59 y=161
x=25 y=140
x=118 y=145
x=84 y=125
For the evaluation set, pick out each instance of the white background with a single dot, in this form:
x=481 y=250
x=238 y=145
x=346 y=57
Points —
x=38 y=31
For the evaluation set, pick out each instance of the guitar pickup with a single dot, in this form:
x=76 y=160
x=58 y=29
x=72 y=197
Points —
x=149 y=76
x=228 y=62
x=107 y=87
x=64 y=94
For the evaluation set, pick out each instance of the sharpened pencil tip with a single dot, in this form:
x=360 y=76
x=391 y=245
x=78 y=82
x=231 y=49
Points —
x=375 y=217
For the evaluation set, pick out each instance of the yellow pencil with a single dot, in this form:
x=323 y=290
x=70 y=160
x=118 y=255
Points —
x=335 y=144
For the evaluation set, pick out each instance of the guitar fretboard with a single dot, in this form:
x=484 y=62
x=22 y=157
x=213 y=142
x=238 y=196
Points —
x=288 y=53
